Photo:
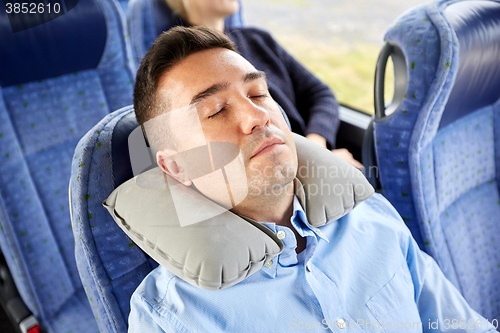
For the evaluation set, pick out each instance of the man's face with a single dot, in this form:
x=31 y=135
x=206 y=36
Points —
x=233 y=105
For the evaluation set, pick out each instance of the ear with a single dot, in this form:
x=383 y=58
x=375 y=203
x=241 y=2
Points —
x=170 y=167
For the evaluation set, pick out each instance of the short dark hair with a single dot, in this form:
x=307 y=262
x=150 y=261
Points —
x=169 y=49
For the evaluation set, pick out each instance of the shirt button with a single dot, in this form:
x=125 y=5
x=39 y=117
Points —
x=308 y=267
x=281 y=234
x=319 y=232
x=341 y=324
x=269 y=263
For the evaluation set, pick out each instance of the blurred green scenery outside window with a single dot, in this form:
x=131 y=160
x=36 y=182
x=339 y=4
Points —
x=337 y=40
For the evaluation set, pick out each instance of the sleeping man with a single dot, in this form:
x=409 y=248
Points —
x=361 y=272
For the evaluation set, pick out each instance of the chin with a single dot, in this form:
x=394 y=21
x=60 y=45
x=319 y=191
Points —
x=231 y=7
x=278 y=169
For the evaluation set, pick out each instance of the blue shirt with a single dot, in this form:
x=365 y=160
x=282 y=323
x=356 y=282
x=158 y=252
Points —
x=363 y=272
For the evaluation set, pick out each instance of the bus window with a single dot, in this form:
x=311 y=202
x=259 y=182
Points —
x=339 y=41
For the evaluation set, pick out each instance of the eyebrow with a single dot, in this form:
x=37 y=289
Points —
x=218 y=87
x=254 y=76
x=213 y=89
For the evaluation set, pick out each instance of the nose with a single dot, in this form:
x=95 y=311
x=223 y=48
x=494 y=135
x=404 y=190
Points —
x=252 y=116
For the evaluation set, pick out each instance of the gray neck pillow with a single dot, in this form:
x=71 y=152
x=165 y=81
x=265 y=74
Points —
x=221 y=251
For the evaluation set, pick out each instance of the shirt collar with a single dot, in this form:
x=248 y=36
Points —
x=299 y=221
x=299 y=216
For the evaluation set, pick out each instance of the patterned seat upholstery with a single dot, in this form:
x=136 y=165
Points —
x=439 y=151
x=147 y=19
x=57 y=80
x=110 y=264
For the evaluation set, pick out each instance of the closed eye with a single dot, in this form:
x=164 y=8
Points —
x=259 y=96
x=217 y=113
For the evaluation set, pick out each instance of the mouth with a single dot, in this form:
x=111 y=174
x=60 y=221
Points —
x=267 y=146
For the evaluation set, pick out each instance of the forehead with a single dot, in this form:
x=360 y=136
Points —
x=199 y=71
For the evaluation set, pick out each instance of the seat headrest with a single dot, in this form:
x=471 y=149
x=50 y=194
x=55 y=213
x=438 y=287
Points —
x=39 y=46
x=477 y=26
x=122 y=170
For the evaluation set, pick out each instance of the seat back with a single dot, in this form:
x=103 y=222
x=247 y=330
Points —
x=439 y=151
x=57 y=79
x=110 y=264
x=147 y=19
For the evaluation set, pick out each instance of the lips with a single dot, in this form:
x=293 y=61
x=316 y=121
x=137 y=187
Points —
x=267 y=143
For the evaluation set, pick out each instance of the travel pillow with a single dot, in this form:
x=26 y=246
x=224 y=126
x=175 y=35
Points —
x=225 y=249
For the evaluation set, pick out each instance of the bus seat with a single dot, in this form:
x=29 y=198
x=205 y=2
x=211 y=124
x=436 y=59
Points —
x=57 y=80
x=147 y=19
x=438 y=142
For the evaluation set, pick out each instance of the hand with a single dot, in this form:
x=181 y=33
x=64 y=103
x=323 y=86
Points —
x=342 y=153
x=347 y=156
x=316 y=138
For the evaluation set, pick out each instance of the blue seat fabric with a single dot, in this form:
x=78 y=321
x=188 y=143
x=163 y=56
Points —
x=124 y=6
x=111 y=265
x=439 y=152
x=43 y=114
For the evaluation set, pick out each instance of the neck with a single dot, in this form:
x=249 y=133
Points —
x=269 y=207
x=209 y=22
